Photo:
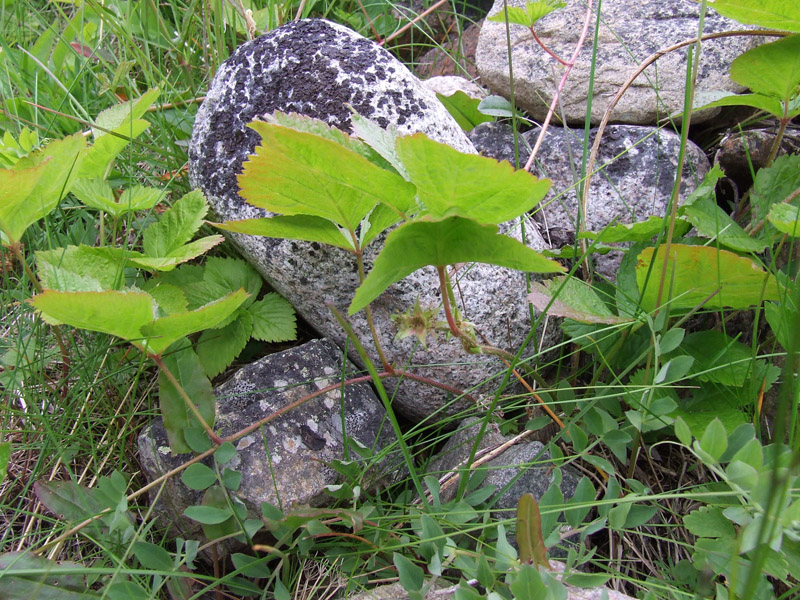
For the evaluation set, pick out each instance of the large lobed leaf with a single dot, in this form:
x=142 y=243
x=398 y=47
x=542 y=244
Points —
x=448 y=241
x=294 y=172
x=770 y=69
x=696 y=272
x=452 y=183
x=773 y=14
x=294 y=227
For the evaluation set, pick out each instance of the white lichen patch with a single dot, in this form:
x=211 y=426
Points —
x=245 y=442
x=164 y=450
x=291 y=444
x=322 y=383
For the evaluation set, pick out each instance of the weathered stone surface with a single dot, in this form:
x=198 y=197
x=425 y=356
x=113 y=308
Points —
x=742 y=153
x=636 y=182
x=447 y=85
x=526 y=463
x=454 y=57
x=315 y=68
x=631 y=31
x=285 y=462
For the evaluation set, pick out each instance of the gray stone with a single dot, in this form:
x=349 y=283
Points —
x=636 y=182
x=447 y=85
x=525 y=467
x=631 y=31
x=286 y=461
x=315 y=68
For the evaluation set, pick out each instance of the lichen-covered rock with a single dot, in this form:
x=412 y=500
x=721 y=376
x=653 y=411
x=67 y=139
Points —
x=639 y=165
x=286 y=461
x=316 y=68
x=631 y=31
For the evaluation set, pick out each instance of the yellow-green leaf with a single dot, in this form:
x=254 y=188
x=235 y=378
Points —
x=696 y=272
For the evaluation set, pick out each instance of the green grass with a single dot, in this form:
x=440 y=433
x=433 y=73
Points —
x=74 y=413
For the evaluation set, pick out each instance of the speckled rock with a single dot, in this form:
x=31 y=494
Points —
x=524 y=468
x=286 y=462
x=447 y=85
x=632 y=30
x=315 y=68
x=636 y=183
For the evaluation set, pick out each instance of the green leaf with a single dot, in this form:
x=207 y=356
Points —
x=170 y=298
x=528 y=583
x=102 y=153
x=183 y=363
x=231 y=479
x=467 y=185
x=758 y=101
x=297 y=173
x=294 y=227
x=162 y=332
x=121 y=114
x=696 y=272
x=576 y=300
x=68 y=499
x=529 y=532
x=785 y=218
x=640 y=231
x=770 y=69
x=711 y=221
x=464 y=109
x=26 y=195
x=782 y=318
x=772 y=14
x=449 y=241
x=152 y=556
x=53 y=581
x=533 y=11
x=225 y=453
x=714 y=440
x=97 y=194
x=709 y=522
x=5 y=456
x=412 y=577
x=379 y=220
x=126 y=590
x=217 y=348
x=80 y=269
x=176 y=226
x=496 y=106
x=119 y=313
x=225 y=275
x=719 y=358
x=774 y=184
x=208 y=515
x=380 y=140
x=198 y=477
x=273 y=319
x=682 y=431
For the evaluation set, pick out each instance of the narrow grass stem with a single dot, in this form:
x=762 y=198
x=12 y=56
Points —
x=188 y=401
x=568 y=68
x=368 y=310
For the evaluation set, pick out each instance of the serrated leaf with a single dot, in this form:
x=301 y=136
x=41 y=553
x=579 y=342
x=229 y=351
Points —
x=297 y=173
x=772 y=14
x=380 y=140
x=104 y=150
x=169 y=298
x=696 y=272
x=178 y=256
x=533 y=11
x=273 y=319
x=709 y=522
x=770 y=69
x=218 y=348
x=711 y=221
x=774 y=184
x=97 y=194
x=785 y=218
x=529 y=532
x=516 y=16
x=198 y=477
x=464 y=109
x=119 y=313
x=225 y=275
x=467 y=185
x=449 y=241
x=379 y=220
x=26 y=195
x=294 y=227
x=183 y=363
x=162 y=332
x=576 y=300
x=176 y=226
x=120 y=114
x=80 y=269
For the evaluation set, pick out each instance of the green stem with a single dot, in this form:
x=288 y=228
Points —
x=188 y=401
x=368 y=311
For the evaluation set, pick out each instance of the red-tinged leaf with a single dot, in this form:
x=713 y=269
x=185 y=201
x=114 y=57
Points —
x=576 y=300
x=529 y=532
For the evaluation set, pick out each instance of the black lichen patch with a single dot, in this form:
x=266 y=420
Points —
x=310 y=67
